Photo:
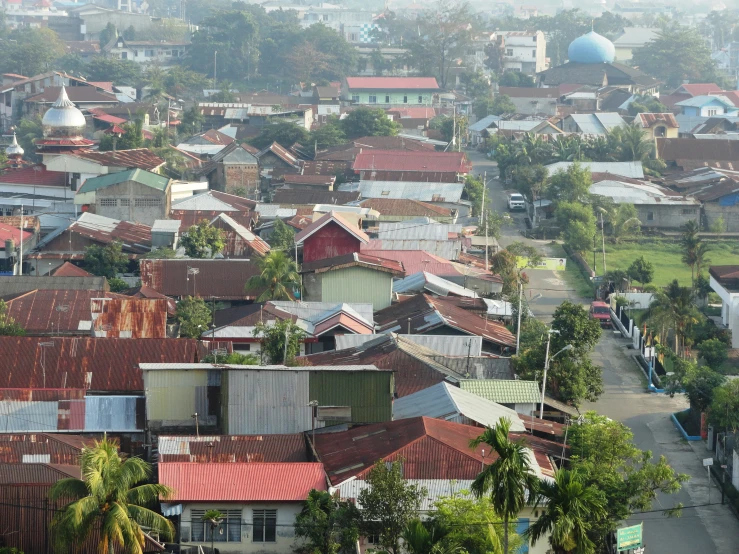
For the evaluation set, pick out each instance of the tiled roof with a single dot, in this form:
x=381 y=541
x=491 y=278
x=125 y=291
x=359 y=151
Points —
x=98 y=364
x=233 y=448
x=238 y=482
x=68 y=269
x=504 y=392
x=697 y=89
x=331 y=217
x=405 y=207
x=392 y=83
x=221 y=278
x=390 y=160
x=141 y=158
x=34 y=175
x=147 y=178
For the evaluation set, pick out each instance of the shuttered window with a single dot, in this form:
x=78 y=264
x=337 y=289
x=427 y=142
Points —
x=228 y=531
x=265 y=525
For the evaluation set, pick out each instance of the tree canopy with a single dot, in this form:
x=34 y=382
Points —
x=8 y=325
x=203 y=240
x=106 y=261
x=194 y=317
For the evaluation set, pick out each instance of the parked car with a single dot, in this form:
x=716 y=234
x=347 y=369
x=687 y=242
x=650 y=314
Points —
x=516 y=201
x=602 y=312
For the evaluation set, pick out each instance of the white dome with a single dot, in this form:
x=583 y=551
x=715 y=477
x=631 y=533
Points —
x=14 y=149
x=63 y=118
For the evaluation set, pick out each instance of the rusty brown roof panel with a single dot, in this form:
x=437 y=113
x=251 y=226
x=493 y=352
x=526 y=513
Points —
x=233 y=448
x=137 y=318
x=64 y=449
x=34 y=473
x=96 y=364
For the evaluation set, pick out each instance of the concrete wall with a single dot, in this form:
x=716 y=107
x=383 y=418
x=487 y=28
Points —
x=235 y=176
x=666 y=217
x=132 y=201
x=712 y=211
x=383 y=98
x=351 y=284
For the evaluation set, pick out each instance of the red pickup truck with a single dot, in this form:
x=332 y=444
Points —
x=601 y=312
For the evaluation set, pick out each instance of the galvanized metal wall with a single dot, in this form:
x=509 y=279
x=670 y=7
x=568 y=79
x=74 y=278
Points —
x=110 y=413
x=171 y=394
x=357 y=285
x=26 y=416
x=369 y=393
x=267 y=402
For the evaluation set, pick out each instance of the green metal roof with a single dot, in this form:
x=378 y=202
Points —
x=147 y=178
x=504 y=391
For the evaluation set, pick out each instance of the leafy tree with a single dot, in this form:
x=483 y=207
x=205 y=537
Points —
x=161 y=253
x=505 y=264
x=714 y=352
x=117 y=285
x=603 y=453
x=673 y=308
x=108 y=34
x=234 y=358
x=8 y=325
x=133 y=137
x=121 y=72
x=647 y=104
x=569 y=507
x=328 y=525
x=203 y=240
x=278 y=276
x=502 y=104
x=516 y=79
x=530 y=180
x=113 y=498
x=724 y=409
x=327 y=135
x=273 y=338
x=30 y=51
x=389 y=504
x=473 y=188
x=130 y=33
x=619 y=220
x=194 y=316
x=577 y=223
x=106 y=261
x=509 y=479
x=634 y=145
x=178 y=80
x=677 y=54
x=572 y=185
x=442 y=37
x=368 y=122
x=191 y=122
x=575 y=327
x=28 y=132
x=284 y=133
x=341 y=55
x=641 y=270
x=282 y=237
x=476 y=85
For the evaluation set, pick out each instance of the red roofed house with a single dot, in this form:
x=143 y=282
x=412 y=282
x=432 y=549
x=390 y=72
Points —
x=658 y=124
x=393 y=165
x=390 y=91
x=10 y=242
x=259 y=502
x=330 y=236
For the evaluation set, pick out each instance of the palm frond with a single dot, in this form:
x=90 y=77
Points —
x=145 y=495
x=69 y=488
x=152 y=520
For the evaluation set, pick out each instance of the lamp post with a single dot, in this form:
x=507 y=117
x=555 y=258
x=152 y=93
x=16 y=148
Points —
x=546 y=368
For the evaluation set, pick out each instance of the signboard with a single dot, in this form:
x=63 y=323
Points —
x=707 y=462
x=551 y=264
x=334 y=413
x=629 y=537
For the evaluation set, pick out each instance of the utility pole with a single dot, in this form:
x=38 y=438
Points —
x=544 y=380
x=284 y=360
x=20 y=262
x=518 y=327
x=484 y=186
x=603 y=242
x=215 y=69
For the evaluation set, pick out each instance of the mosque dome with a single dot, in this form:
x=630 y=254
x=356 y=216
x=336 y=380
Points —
x=14 y=149
x=591 y=48
x=63 y=119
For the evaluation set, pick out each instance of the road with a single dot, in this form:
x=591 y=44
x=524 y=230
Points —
x=707 y=529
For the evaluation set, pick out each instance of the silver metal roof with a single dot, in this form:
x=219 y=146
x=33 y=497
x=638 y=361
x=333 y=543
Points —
x=484 y=123
x=315 y=311
x=420 y=228
x=423 y=192
x=166 y=226
x=446 y=345
x=64 y=114
x=423 y=281
x=632 y=170
x=203 y=201
x=449 y=250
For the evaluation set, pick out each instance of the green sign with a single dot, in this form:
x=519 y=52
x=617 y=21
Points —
x=629 y=537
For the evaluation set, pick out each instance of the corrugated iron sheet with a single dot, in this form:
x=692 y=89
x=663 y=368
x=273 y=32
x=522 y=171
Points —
x=171 y=395
x=233 y=482
x=224 y=279
x=368 y=393
x=233 y=448
x=96 y=364
x=138 y=318
x=112 y=413
x=60 y=449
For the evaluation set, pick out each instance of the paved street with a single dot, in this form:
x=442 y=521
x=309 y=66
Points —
x=705 y=530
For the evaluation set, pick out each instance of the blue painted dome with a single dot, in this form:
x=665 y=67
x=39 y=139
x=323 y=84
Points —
x=591 y=48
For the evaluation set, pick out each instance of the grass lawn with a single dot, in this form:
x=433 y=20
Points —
x=665 y=256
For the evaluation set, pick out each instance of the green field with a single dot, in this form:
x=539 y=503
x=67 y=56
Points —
x=665 y=256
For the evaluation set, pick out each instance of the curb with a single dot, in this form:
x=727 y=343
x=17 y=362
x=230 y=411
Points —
x=682 y=431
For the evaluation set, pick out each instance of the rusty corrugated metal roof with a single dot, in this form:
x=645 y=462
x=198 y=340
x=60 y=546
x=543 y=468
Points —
x=233 y=448
x=97 y=364
x=141 y=158
x=60 y=449
x=393 y=160
x=137 y=318
x=234 y=482
x=33 y=473
x=68 y=269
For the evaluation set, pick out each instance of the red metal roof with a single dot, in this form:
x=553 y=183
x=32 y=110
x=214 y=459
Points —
x=354 y=259
x=697 y=89
x=388 y=83
x=233 y=448
x=415 y=261
x=134 y=237
x=35 y=175
x=61 y=449
x=224 y=279
x=141 y=158
x=113 y=120
x=68 y=269
x=331 y=217
x=98 y=364
x=237 y=482
x=391 y=160
x=294 y=179
x=105 y=85
x=8 y=232
x=414 y=113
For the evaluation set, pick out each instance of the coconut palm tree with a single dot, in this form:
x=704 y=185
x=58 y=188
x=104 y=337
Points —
x=112 y=496
x=278 y=275
x=569 y=507
x=673 y=308
x=510 y=479
x=694 y=250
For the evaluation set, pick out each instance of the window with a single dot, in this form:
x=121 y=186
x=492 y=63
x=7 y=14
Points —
x=509 y=52
x=355 y=98
x=533 y=53
x=385 y=193
x=353 y=37
x=228 y=531
x=124 y=55
x=420 y=99
x=711 y=111
x=265 y=525
x=660 y=131
x=471 y=52
x=373 y=538
x=405 y=100
x=109 y=202
x=147 y=202
x=125 y=202
x=387 y=99
x=372 y=99
x=148 y=53
x=650 y=216
x=690 y=211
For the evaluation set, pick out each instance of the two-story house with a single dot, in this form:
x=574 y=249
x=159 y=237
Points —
x=524 y=51
x=390 y=91
x=146 y=51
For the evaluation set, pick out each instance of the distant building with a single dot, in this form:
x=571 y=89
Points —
x=146 y=51
x=658 y=124
x=390 y=91
x=631 y=39
x=724 y=281
x=524 y=52
x=355 y=25
x=707 y=106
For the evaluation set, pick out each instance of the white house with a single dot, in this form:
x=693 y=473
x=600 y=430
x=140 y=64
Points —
x=522 y=51
x=724 y=281
x=147 y=51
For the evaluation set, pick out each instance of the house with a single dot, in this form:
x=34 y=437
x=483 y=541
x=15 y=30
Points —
x=210 y=204
x=14 y=240
x=146 y=51
x=429 y=283
x=444 y=195
x=686 y=154
x=403 y=209
x=330 y=236
x=658 y=125
x=239 y=399
x=421 y=233
x=390 y=91
x=388 y=165
x=84 y=97
x=519 y=127
x=232 y=169
x=10 y=285
x=259 y=502
x=533 y=101
x=276 y=157
x=288 y=196
x=707 y=106
x=352 y=277
x=426 y=314
x=240 y=242
x=68 y=269
x=321 y=323
x=326 y=95
x=724 y=280
x=524 y=51
x=691 y=90
x=594 y=124
x=132 y=195
x=631 y=39
x=477 y=129
x=208 y=278
x=306 y=182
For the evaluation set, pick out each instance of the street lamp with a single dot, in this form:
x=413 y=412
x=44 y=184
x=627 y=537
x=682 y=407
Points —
x=546 y=368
